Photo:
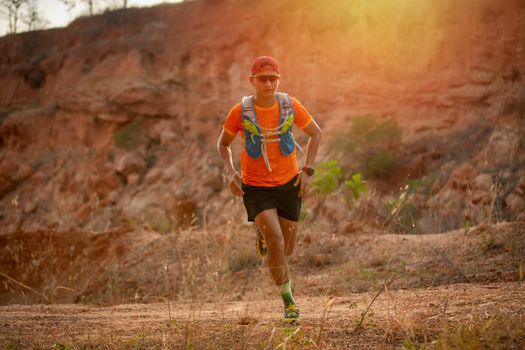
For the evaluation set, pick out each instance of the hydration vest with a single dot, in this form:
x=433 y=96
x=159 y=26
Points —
x=257 y=137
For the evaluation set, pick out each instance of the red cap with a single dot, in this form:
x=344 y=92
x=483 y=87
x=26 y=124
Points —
x=265 y=63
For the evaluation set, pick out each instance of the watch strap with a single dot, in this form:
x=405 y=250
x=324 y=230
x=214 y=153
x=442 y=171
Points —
x=309 y=171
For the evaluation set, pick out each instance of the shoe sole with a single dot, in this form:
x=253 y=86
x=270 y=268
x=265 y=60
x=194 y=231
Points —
x=292 y=320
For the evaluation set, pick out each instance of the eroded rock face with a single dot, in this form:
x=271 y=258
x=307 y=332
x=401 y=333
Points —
x=516 y=203
x=158 y=62
x=128 y=164
x=69 y=96
x=489 y=185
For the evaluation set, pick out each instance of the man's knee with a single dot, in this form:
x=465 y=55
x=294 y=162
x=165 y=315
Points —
x=289 y=247
x=274 y=240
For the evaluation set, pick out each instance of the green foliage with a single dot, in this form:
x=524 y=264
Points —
x=423 y=185
x=326 y=177
x=386 y=131
x=130 y=136
x=366 y=146
x=408 y=344
x=357 y=185
x=380 y=164
x=466 y=226
x=294 y=339
x=368 y=129
x=61 y=346
x=361 y=130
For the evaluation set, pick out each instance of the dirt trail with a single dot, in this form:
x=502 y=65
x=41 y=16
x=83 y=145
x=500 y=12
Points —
x=415 y=315
x=221 y=296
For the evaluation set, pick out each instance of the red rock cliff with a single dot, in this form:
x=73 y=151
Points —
x=114 y=118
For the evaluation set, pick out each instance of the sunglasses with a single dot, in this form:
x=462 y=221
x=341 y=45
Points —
x=265 y=78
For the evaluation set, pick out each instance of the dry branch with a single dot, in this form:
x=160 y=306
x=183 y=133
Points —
x=359 y=324
x=26 y=287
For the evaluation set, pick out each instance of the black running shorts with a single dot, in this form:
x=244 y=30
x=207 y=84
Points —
x=284 y=198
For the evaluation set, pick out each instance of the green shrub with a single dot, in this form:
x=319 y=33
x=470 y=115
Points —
x=423 y=185
x=357 y=185
x=365 y=146
x=61 y=346
x=380 y=164
x=130 y=136
x=326 y=177
x=386 y=131
x=367 y=130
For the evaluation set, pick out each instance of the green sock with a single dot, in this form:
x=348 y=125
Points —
x=286 y=293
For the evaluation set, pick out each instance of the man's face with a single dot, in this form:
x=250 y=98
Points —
x=265 y=83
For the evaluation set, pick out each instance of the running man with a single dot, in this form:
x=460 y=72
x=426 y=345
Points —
x=270 y=182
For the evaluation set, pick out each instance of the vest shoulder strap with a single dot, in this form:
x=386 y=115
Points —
x=284 y=100
x=285 y=104
x=248 y=110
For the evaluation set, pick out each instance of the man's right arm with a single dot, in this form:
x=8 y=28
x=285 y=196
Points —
x=223 y=146
x=234 y=178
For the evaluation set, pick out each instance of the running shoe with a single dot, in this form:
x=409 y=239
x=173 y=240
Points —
x=291 y=313
x=260 y=244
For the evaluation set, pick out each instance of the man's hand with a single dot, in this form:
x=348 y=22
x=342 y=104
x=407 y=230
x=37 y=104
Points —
x=236 y=184
x=303 y=181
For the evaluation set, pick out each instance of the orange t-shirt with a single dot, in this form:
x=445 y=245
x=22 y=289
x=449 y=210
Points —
x=254 y=171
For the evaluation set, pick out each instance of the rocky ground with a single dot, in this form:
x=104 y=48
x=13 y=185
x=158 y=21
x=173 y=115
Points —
x=456 y=316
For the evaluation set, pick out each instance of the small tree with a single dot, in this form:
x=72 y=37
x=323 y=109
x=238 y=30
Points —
x=32 y=17
x=72 y=3
x=357 y=185
x=12 y=11
x=326 y=178
x=325 y=181
x=96 y=5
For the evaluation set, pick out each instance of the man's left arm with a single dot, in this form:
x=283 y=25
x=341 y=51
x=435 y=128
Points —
x=314 y=132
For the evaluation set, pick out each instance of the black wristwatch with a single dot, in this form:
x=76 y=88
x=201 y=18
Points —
x=309 y=171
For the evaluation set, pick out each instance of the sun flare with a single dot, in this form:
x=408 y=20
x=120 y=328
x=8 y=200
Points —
x=392 y=35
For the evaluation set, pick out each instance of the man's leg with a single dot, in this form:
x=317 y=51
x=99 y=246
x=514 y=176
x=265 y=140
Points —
x=270 y=225
x=268 y=222
x=289 y=229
